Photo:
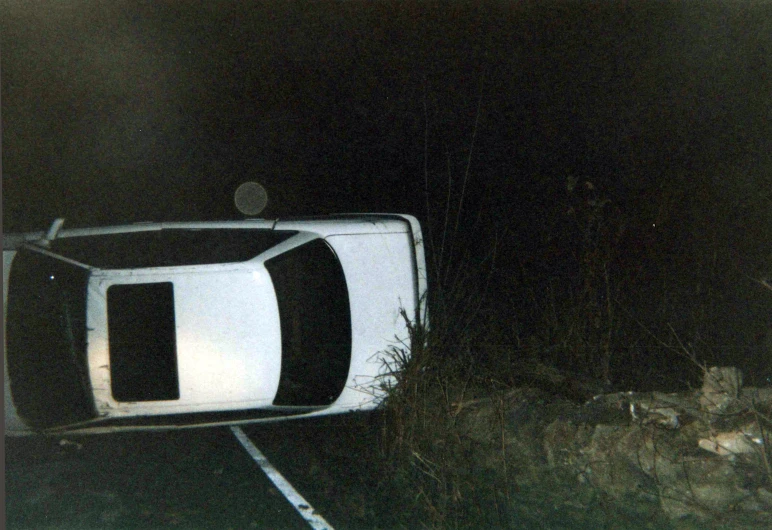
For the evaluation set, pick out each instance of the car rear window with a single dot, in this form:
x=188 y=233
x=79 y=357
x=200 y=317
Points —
x=315 y=324
x=46 y=340
x=143 y=342
x=168 y=247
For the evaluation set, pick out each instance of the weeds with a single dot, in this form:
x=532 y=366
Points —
x=582 y=317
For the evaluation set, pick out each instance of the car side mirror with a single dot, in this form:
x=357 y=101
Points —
x=52 y=232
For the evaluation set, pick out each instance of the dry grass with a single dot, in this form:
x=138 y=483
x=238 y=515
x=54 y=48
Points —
x=594 y=328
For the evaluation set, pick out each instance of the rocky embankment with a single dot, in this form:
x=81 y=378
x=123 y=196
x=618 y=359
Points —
x=701 y=456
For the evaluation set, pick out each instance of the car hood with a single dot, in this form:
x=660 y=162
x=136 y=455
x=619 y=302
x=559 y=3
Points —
x=381 y=276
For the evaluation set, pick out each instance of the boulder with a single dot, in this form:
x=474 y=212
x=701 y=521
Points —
x=703 y=455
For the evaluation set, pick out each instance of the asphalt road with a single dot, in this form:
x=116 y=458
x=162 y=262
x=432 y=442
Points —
x=199 y=478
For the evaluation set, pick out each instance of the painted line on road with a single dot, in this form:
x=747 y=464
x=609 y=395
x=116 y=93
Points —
x=305 y=510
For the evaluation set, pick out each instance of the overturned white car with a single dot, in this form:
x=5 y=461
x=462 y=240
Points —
x=164 y=325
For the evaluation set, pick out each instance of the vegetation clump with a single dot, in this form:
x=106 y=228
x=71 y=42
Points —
x=600 y=293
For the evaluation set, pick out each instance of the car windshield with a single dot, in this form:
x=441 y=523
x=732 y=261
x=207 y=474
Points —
x=46 y=340
x=315 y=324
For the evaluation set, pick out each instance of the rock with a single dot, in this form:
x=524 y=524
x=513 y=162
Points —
x=646 y=414
x=705 y=489
x=720 y=390
x=562 y=444
x=745 y=440
x=699 y=455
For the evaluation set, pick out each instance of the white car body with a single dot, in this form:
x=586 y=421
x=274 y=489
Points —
x=222 y=343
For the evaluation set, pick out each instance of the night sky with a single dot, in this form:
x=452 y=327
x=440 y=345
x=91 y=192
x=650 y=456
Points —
x=128 y=111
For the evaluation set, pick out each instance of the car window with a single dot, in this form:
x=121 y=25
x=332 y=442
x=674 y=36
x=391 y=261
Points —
x=168 y=247
x=143 y=342
x=315 y=324
x=46 y=340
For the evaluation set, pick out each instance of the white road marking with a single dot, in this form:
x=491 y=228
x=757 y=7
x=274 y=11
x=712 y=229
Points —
x=305 y=510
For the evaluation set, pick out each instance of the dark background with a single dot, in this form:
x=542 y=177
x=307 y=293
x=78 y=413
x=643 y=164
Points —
x=118 y=112
x=125 y=111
